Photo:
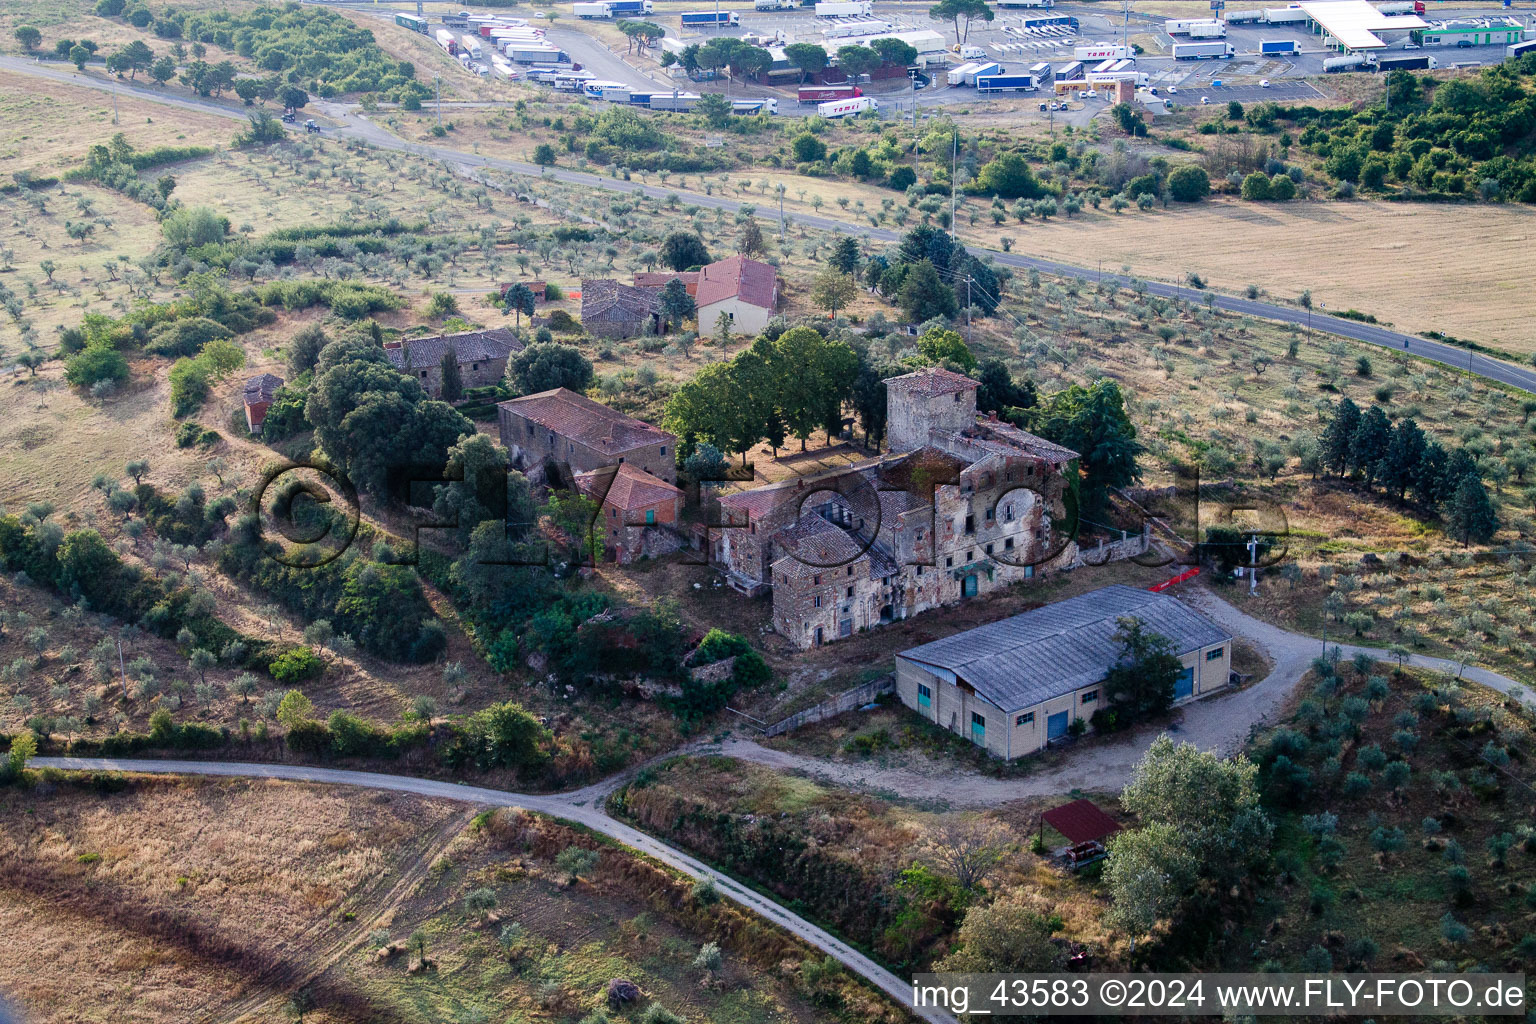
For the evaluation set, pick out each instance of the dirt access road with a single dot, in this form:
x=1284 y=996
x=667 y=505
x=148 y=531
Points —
x=1223 y=723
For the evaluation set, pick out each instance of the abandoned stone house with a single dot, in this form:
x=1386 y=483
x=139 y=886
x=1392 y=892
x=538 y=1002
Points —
x=482 y=357
x=572 y=429
x=612 y=309
x=1017 y=685
x=638 y=513
x=961 y=505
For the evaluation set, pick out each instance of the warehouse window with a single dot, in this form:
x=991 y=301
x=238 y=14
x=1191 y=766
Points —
x=924 y=696
x=1089 y=696
x=1027 y=718
x=1213 y=655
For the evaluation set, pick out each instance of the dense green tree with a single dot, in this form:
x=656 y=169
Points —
x=1369 y=443
x=924 y=295
x=807 y=57
x=28 y=36
x=939 y=346
x=676 y=305
x=998 y=392
x=684 y=250
x=1092 y=421
x=305 y=347
x=1188 y=183
x=1338 y=439
x=1471 y=516
x=1005 y=936
x=545 y=366
x=845 y=255
x=1007 y=176
x=961 y=13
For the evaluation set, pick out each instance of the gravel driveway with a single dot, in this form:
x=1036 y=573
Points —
x=1222 y=723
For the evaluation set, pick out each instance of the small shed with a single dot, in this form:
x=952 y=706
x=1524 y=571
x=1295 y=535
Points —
x=259 y=392
x=1085 y=826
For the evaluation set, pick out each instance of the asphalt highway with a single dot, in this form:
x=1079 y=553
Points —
x=356 y=126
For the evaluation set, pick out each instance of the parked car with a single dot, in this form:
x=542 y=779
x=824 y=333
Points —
x=1263 y=83
x=1412 y=46
x=1205 y=99
x=1173 y=90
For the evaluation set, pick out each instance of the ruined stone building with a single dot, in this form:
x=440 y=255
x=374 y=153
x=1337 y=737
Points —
x=572 y=429
x=960 y=506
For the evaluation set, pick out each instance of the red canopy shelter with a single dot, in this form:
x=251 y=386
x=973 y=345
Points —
x=1081 y=822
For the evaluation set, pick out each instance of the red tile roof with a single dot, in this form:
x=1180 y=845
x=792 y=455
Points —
x=749 y=280
x=626 y=488
x=659 y=279
x=591 y=423
x=1081 y=821
x=930 y=382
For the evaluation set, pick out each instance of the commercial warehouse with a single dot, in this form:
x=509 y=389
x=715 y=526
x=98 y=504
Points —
x=1015 y=685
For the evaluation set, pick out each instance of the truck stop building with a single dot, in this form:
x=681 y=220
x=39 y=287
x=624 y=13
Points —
x=1470 y=32
x=1351 y=26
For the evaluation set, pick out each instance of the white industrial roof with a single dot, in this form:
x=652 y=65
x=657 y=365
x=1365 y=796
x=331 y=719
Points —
x=1352 y=22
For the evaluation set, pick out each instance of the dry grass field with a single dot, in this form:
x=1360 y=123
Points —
x=49 y=130
x=1419 y=267
x=178 y=900
x=172 y=900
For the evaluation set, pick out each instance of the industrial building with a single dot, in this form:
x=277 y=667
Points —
x=1015 y=685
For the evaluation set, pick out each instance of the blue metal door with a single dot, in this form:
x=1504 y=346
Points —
x=1184 y=686
x=1056 y=725
x=968 y=587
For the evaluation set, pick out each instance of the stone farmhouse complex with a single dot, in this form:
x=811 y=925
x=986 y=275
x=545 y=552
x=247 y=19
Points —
x=1016 y=685
x=482 y=357
x=961 y=506
x=565 y=427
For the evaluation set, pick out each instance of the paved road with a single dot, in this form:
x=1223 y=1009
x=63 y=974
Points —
x=356 y=126
x=580 y=807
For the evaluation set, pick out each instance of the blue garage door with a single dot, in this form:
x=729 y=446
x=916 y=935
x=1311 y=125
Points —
x=1184 y=686
x=1056 y=725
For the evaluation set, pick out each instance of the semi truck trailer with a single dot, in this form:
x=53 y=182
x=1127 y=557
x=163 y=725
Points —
x=1347 y=62
x=844 y=9
x=846 y=108
x=711 y=18
x=1102 y=51
x=1407 y=62
x=592 y=10
x=1203 y=51
x=1267 y=46
x=1007 y=83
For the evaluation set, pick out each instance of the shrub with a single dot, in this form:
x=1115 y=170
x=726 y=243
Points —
x=1188 y=183
x=295 y=665
x=94 y=364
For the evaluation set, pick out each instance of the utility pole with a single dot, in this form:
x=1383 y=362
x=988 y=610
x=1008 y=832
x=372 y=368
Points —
x=781 y=209
x=954 y=159
x=121 y=670
x=437 y=87
x=114 y=100
x=1253 y=564
x=968 y=280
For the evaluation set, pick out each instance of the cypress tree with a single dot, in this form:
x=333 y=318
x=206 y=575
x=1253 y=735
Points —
x=1340 y=435
x=1368 y=446
x=1471 y=514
